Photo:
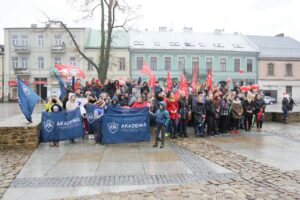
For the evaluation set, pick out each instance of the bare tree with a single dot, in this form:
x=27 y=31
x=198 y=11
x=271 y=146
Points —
x=115 y=14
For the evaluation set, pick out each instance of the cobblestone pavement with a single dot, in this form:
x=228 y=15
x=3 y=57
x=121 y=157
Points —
x=11 y=162
x=254 y=180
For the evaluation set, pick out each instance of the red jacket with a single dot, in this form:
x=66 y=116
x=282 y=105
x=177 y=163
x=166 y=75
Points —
x=172 y=108
x=139 y=105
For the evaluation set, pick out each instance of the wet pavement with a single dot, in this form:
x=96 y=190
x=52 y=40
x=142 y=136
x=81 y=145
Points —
x=85 y=168
x=13 y=109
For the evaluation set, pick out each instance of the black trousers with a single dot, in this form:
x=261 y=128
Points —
x=224 y=124
x=248 y=122
x=211 y=125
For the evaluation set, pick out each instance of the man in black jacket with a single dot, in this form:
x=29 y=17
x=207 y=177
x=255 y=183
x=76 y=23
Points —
x=211 y=116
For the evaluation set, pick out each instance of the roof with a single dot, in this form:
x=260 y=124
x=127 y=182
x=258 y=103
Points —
x=120 y=39
x=276 y=46
x=190 y=41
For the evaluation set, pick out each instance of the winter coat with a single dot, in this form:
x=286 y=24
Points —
x=71 y=105
x=210 y=109
x=139 y=104
x=224 y=108
x=145 y=89
x=285 y=103
x=172 y=107
x=258 y=105
x=237 y=108
x=183 y=108
x=162 y=116
x=199 y=111
x=111 y=105
x=249 y=108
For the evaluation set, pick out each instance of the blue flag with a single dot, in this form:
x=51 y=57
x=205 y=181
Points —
x=62 y=85
x=27 y=99
x=59 y=126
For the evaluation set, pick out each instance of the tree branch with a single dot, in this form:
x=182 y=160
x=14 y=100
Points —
x=73 y=39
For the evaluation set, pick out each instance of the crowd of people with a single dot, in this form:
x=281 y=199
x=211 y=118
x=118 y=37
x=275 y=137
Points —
x=220 y=111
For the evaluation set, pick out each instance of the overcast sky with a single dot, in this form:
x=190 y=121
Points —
x=255 y=17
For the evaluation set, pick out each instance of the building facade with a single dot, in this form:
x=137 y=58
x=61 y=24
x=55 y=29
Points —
x=1 y=72
x=32 y=53
x=119 y=66
x=279 y=63
x=231 y=56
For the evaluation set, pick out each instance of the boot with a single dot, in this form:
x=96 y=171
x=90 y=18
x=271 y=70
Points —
x=161 y=146
x=155 y=145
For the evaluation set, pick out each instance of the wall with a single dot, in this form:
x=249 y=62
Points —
x=202 y=55
x=37 y=51
x=113 y=70
x=1 y=76
x=20 y=137
x=279 y=81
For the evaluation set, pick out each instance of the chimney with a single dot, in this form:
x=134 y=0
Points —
x=33 y=25
x=162 y=29
x=280 y=35
x=187 y=29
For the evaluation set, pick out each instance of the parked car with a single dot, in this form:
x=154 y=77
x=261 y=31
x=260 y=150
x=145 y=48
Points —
x=269 y=100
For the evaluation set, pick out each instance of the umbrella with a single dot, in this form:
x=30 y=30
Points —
x=255 y=87
x=70 y=71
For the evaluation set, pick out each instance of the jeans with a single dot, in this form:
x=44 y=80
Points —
x=199 y=129
x=173 y=127
x=182 y=126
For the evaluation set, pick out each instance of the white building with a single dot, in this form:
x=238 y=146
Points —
x=31 y=53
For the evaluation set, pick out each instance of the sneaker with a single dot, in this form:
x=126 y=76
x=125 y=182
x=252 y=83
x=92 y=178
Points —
x=155 y=145
x=232 y=132
x=237 y=132
x=162 y=146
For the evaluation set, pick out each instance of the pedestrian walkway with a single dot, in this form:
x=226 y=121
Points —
x=85 y=168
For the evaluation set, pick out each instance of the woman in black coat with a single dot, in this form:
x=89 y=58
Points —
x=211 y=116
x=199 y=116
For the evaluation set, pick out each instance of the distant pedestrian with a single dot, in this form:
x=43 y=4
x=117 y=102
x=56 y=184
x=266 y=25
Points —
x=285 y=107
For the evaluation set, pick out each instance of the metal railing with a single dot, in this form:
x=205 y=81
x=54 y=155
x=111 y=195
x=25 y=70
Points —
x=22 y=48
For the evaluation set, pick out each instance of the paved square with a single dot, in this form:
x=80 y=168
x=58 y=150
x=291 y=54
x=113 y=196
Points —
x=88 y=169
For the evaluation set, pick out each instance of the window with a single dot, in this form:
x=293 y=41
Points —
x=41 y=40
x=237 y=65
x=57 y=60
x=189 y=44
x=195 y=64
x=218 y=45
x=15 y=40
x=238 y=46
x=153 y=63
x=73 y=61
x=41 y=62
x=24 y=40
x=208 y=64
x=24 y=62
x=90 y=66
x=270 y=69
x=289 y=70
x=167 y=63
x=223 y=64
x=58 y=40
x=122 y=64
x=14 y=62
x=181 y=63
x=156 y=43
x=139 y=62
x=249 y=65
x=289 y=90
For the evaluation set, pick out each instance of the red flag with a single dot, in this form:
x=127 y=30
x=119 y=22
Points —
x=209 y=82
x=152 y=80
x=146 y=69
x=169 y=81
x=194 y=84
x=184 y=84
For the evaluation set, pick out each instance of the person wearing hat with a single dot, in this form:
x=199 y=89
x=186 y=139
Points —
x=98 y=114
x=114 y=103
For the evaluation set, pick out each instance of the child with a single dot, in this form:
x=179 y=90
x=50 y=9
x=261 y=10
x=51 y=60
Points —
x=98 y=114
x=162 y=121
